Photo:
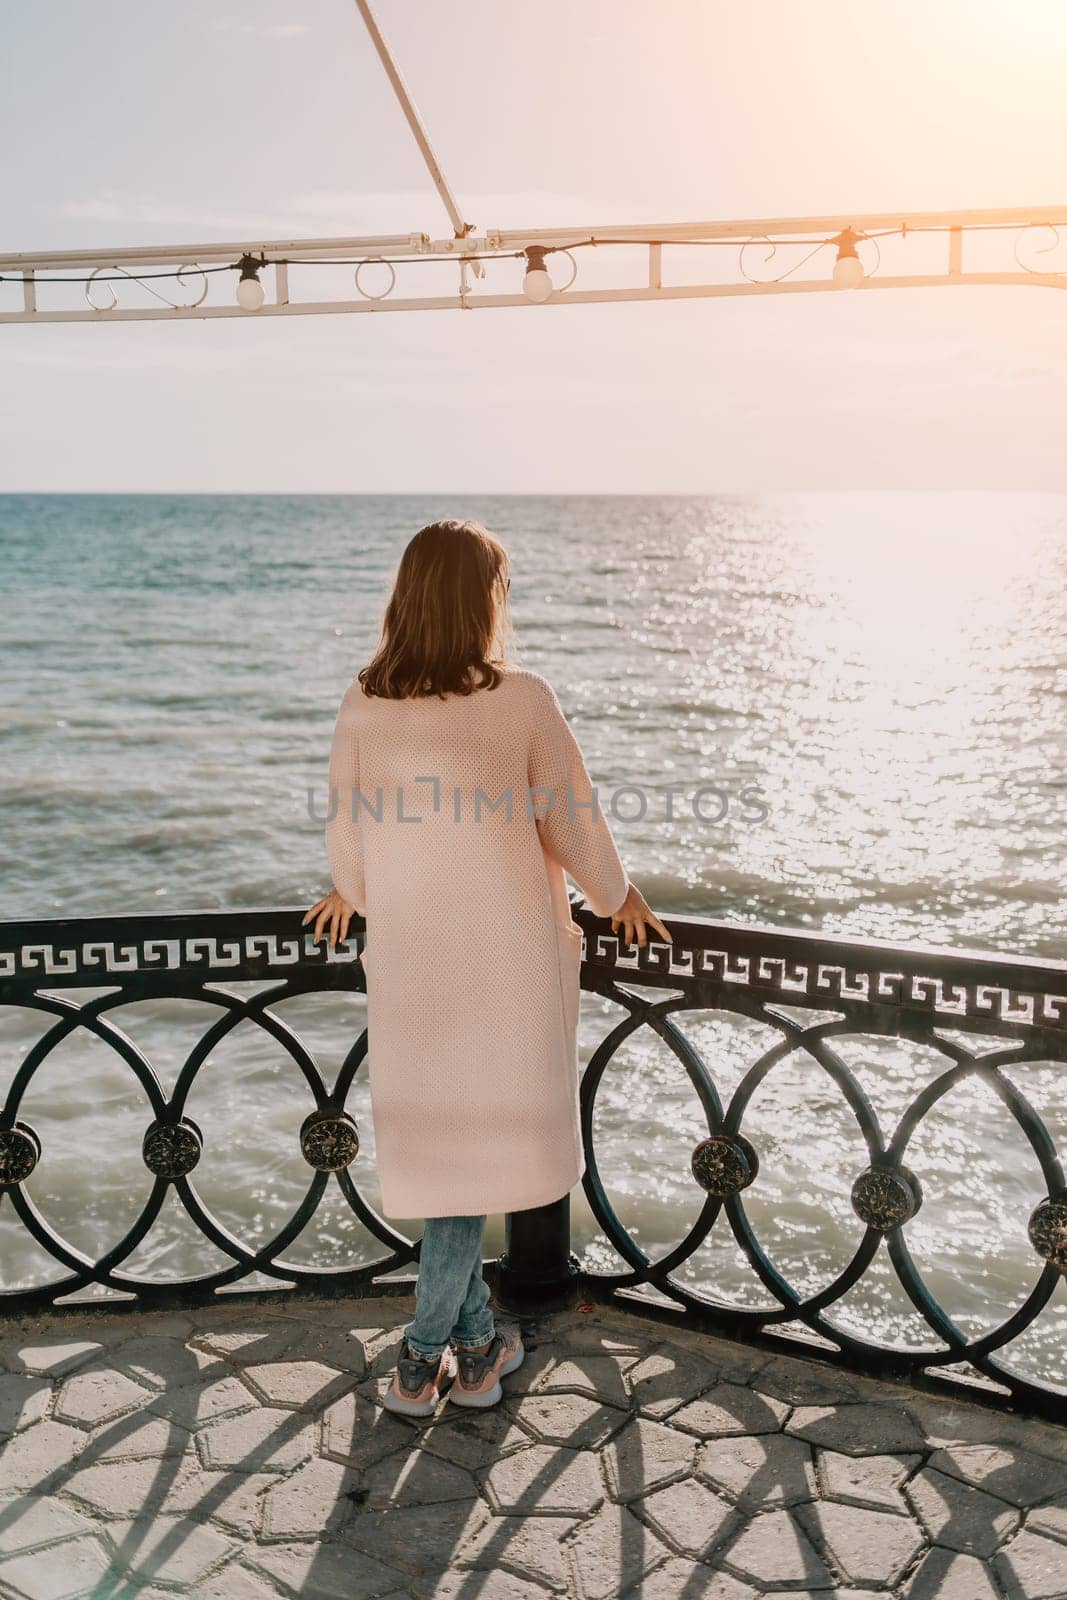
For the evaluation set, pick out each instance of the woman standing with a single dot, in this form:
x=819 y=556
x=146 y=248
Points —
x=458 y=799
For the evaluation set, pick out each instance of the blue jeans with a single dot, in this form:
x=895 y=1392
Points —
x=451 y=1296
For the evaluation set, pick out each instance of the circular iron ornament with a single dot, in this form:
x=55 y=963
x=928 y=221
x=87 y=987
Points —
x=375 y=261
x=20 y=1151
x=88 y=290
x=329 y=1140
x=1052 y=234
x=724 y=1164
x=574 y=270
x=886 y=1197
x=1048 y=1230
x=171 y=1149
x=179 y=277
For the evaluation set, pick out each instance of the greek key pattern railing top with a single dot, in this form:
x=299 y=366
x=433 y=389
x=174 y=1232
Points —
x=84 y=951
x=976 y=991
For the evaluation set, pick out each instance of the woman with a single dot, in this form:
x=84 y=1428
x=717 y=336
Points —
x=458 y=798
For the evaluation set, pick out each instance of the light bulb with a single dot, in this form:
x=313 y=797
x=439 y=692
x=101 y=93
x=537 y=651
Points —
x=848 y=268
x=536 y=285
x=250 y=294
x=848 y=272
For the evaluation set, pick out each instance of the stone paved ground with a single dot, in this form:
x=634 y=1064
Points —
x=244 y=1453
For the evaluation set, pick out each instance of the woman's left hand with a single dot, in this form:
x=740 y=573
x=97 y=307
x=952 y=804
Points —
x=334 y=910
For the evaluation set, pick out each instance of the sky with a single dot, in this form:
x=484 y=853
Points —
x=138 y=121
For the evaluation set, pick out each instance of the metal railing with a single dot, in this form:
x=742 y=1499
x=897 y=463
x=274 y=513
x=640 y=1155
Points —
x=981 y=1013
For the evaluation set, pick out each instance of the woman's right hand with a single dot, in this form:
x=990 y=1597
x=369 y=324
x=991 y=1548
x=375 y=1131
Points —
x=635 y=917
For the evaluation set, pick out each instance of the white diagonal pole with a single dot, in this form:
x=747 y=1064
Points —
x=414 y=121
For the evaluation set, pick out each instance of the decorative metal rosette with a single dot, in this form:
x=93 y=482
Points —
x=886 y=1197
x=1048 y=1230
x=724 y=1163
x=20 y=1151
x=329 y=1140
x=171 y=1149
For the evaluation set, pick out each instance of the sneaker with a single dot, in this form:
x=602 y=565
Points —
x=418 y=1385
x=478 y=1379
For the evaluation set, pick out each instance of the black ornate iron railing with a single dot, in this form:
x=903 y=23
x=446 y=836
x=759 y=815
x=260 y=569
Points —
x=1013 y=1009
x=1016 y=1011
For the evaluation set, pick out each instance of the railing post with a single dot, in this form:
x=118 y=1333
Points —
x=537 y=1271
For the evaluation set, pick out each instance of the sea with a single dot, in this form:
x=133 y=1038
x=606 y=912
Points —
x=839 y=712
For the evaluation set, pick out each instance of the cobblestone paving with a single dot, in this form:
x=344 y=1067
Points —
x=244 y=1453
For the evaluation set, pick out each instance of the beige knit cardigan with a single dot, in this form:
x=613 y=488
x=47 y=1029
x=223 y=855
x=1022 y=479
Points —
x=451 y=822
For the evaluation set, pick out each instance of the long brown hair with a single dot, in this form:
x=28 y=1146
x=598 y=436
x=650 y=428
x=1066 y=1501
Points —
x=446 y=623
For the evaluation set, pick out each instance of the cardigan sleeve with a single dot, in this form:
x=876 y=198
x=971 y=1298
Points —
x=344 y=845
x=570 y=821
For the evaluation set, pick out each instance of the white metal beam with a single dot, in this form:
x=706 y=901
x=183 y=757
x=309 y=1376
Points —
x=42 y=280
x=773 y=229
x=485 y=301
x=205 y=254
x=776 y=227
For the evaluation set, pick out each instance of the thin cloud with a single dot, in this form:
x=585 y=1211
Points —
x=261 y=30
x=145 y=357
x=113 y=207
x=340 y=211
